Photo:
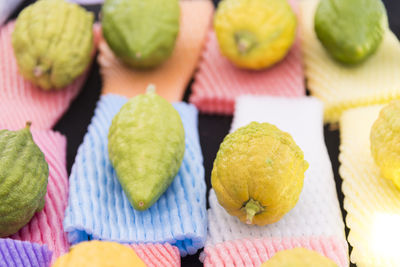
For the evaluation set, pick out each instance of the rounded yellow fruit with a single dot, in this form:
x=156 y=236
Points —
x=299 y=257
x=255 y=34
x=385 y=142
x=99 y=254
x=258 y=173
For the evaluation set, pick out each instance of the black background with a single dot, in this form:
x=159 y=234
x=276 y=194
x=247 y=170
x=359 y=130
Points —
x=212 y=128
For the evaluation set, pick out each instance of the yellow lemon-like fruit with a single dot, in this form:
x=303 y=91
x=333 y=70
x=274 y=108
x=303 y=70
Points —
x=385 y=142
x=100 y=254
x=255 y=34
x=258 y=173
x=299 y=257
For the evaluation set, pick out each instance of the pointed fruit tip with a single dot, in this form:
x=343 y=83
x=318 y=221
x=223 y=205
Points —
x=151 y=88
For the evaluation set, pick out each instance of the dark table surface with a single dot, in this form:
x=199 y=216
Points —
x=212 y=128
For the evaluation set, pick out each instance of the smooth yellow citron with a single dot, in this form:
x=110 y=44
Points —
x=299 y=257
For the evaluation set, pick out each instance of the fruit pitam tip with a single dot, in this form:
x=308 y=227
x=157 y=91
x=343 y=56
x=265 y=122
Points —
x=151 y=88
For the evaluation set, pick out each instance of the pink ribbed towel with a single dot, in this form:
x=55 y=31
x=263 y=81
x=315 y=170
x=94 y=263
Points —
x=253 y=252
x=155 y=255
x=20 y=100
x=218 y=83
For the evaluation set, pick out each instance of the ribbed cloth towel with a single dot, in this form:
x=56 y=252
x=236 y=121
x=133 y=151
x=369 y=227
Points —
x=6 y=8
x=253 y=252
x=376 y=81
x=46 y=226
x=20 y=100
x=98 y=208
x=317 y=212
x=372 y=202
x=218 y=83
x=156 y=255
x=14 y=253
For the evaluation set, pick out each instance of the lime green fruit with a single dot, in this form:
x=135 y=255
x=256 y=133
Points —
x=146 y=143
x=23 y=179
x=299 y=257
x=53 y=42
x=141 y=33
x=258 y=173
x=385 y=142
x=255 y=34
x=350 y=30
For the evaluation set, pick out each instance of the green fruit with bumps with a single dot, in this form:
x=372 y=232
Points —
x=146 y=143
x=23 y=179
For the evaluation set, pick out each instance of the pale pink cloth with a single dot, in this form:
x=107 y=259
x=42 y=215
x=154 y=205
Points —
x=155 y=255
x=218 y=82
x=20 y=100
x=253 y=252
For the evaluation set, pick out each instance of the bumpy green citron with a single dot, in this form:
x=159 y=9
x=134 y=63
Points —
x=385 y=142
x=258 y=173
x=52 y=42
x=299 y=257
x=352 y=30
x=146 y=143
x=23 y=179
x=255 y=34
x=141 y=33
x=100 y=254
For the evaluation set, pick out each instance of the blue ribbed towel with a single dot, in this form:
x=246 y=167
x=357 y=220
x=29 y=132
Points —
x=98 y=208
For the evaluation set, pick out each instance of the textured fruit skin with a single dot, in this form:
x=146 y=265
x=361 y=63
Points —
x=385 y=142
x=146 y=143
x=23 y=180
x=255 y=34
x=258 y=162
x=141 y=33
x=351 y=31
x=99 y=254
x=53 y=42
x=299 y=257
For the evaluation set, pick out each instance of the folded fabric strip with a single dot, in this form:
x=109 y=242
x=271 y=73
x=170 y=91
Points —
x=372 y=202
x=6 y=8
x=155 y=255
x=339 y=87
x=98 y=208
x=173 y=76
x=253 y=252
x=20 y=100
x=15 y=253
x=218 y=83
x=317 y=212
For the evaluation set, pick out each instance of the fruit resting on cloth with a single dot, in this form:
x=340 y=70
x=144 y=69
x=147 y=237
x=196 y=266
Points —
x=255 y=34
x=53 y=42
x=146 y=143
x=99 y=254
x=299 y=257
x=385 y=142
x=141 y=33
x=258 y=173
x=350 y=30
x=23 y=179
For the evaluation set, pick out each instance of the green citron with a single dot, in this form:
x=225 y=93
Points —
x=141 y=33
x=350 y=30
x=258 y=173
x=23 y=179
x=53 y=42
x=146 y=143
x=299 y=257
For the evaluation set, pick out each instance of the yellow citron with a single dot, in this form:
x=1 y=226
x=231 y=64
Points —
x=258 y=173
x=100 y=254
x=385 y=142
x=255 y=34
x=299 y=257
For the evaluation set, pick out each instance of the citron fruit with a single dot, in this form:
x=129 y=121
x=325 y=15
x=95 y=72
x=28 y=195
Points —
x=53 y=42
x=385 y=142
x=255 y=34
x=350 y=30
x=146 y=143
x=299 y=257
x=141 y=33
x=23 y=179
x=258 y=173
x=99 y=254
